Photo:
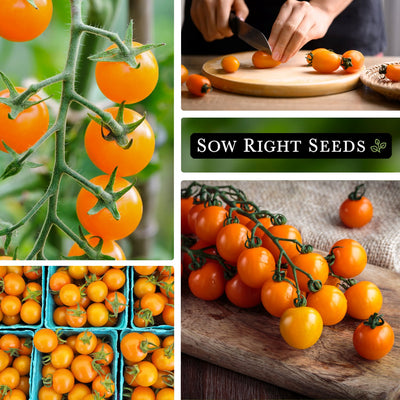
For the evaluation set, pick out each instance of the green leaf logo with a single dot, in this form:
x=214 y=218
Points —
x=378 y=146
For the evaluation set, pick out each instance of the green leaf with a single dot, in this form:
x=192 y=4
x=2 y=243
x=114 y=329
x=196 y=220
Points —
x=374 y=149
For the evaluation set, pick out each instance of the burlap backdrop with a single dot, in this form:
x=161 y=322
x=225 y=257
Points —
x=313 y=208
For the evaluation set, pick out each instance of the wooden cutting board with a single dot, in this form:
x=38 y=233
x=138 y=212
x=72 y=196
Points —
x=249 y=342
x=292 y=79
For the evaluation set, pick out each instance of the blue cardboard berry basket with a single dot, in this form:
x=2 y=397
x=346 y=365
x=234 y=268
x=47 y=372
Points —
x=22 y=325
x=106 y=334
x=50 y=305
x=132 y=309
x=21 y=333
x=158 y=330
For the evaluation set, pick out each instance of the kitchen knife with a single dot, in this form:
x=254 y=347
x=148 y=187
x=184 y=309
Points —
x=248 y=34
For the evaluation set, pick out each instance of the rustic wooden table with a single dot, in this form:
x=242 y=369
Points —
x=360 y=99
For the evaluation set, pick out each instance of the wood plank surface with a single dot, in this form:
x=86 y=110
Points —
x=292 y=79
x=361 y=98
x=249 y=342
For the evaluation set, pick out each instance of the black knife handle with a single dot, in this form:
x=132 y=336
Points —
x=233 y=23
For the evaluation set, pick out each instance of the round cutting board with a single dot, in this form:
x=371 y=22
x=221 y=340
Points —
x=292 y=79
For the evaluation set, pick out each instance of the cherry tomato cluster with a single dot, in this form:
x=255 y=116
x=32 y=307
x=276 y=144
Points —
x=327 y=61
x=15 y=366
x=21 y=295
x=154 y=296
x=148 y=366
x=263 y=260
x=88 y=296
x=79 y=364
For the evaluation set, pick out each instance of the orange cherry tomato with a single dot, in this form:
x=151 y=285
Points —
x=231 y=241
x=29 y=126
x=283 y=232
x=373 y=339
x=186 y=205
x=255 y=266
x=352 y=61
x=107 y=155
x=326 y=61
x=240 y=294
x=209 y=222
x=208 y=282
x=310 y=55
x=363 y=299
x=45 y=340
x=311 y=263
x=277 y=297
x=230 y=64
x=350 y=258
x=184 y=74
x=261 y=59
x=120 y=82
x=330 y=302
x=198 y=85
x=103 y=223
x=357 y=210
x=109 y=248
x=391 y=71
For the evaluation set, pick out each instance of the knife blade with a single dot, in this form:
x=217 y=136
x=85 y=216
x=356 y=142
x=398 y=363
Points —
x=249 y=34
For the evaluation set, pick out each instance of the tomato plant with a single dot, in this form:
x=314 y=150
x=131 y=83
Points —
x=20 y=21
x=262 y=59
x=26 y=126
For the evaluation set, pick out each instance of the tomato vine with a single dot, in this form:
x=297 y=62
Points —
x=106 y=198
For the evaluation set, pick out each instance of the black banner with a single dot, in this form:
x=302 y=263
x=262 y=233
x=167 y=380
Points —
x=290 y=145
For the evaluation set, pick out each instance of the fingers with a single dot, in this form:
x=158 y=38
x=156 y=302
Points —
x=240 y=9
x=211 y=17
x=297 y=23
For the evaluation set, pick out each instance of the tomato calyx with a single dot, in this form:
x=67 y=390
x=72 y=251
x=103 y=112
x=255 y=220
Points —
x=346 y=62
x=32 y=3
x=107 y=198
x=119 y=137
x=125 y=52
x=374 y=320
x=383 y=69
x=4 y=389
x=115 y=305
x=358 y=192
x=18 y=100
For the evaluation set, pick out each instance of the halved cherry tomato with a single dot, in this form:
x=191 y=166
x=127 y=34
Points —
x=261 y=59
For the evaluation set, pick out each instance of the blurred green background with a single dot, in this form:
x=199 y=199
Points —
x=291 y=125
x=44 y=57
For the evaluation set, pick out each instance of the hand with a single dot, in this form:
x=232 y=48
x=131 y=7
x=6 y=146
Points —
x=298 y=22
x=211 y=17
